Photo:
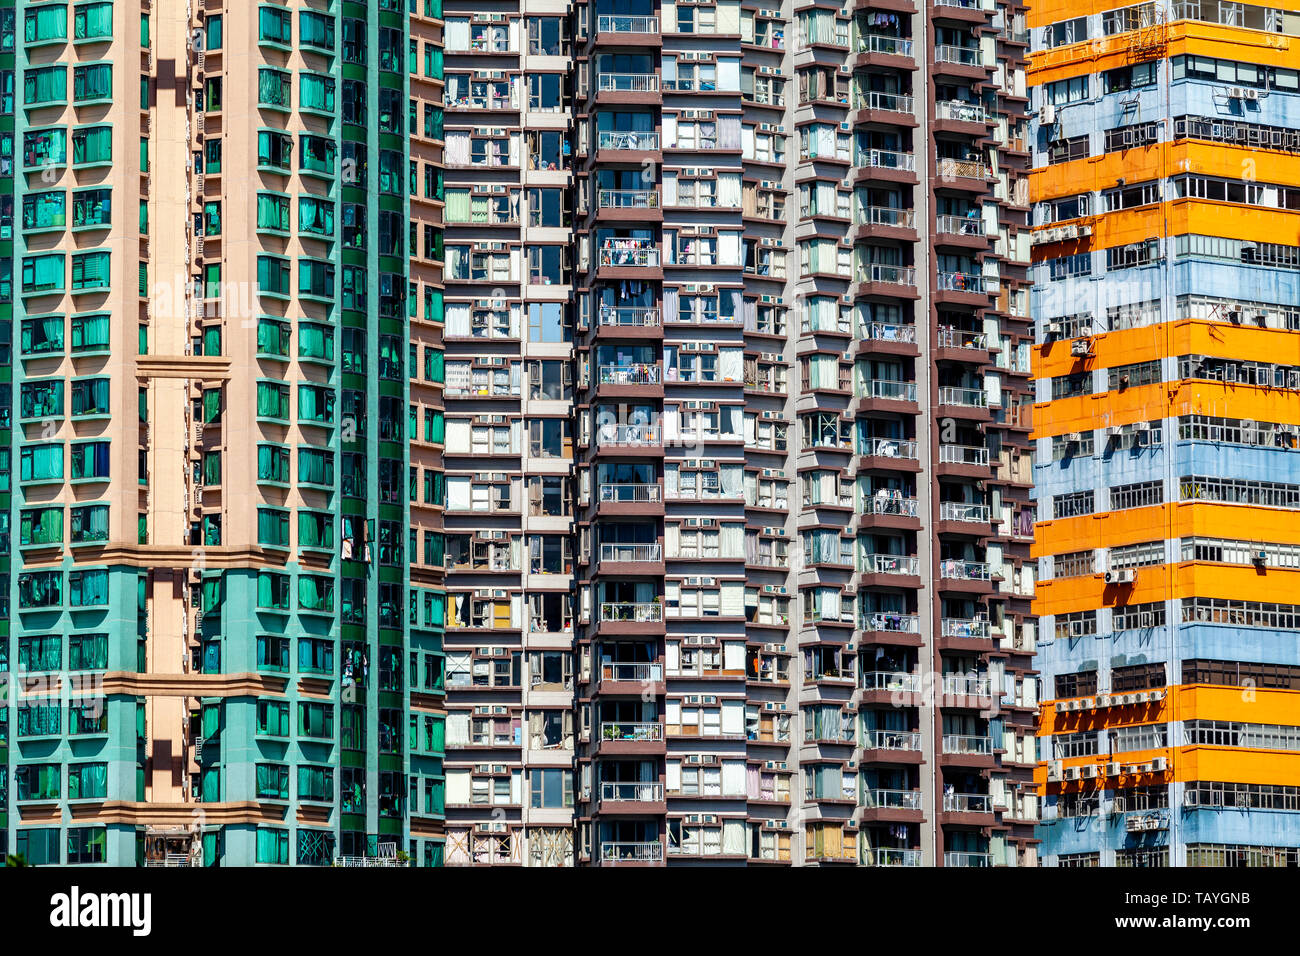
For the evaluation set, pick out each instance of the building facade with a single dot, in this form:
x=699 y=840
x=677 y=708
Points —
x=220 y=648
x=1165 y=422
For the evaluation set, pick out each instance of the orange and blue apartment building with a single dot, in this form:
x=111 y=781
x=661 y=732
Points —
x=1166 y=250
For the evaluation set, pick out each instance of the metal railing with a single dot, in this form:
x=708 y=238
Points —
x=643 y=316
x=960 y=225
x=882 y=43
x=888 y=159
x=961 y=282
x=968 y=803
x=628 y=198
x=963 y=455
x=627 y=435
x=893 y=448
x=639 y=256
x=956 y=569
x=888 y=332
x=961 y=511
x=962 y=168
x=966 y=858
x=893 y=681
x=892 y=799
x=894 y=275
x=966 y=685
x=632 y=792
x=647 y=140
x=887 y=216
x=645 y=612
x=964 y=627
x=961 y=111
x=961 y=55
x=894 y=391
x=628 y=82
x=615 y=853
x=886 y=856
x=888 y=505
x=632 y=672
x=891 y=740
x=889 y=564
x=967 y=744
x=632 y=731
x=885 y=102
x=622 y=24
x=637 y=374
x=631 y=493
x=631 y=552
x=950 y=338
x=891 y=622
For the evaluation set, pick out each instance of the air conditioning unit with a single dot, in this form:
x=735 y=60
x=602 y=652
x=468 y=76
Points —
x=1090 y=772
x=1053 y=330
x=1159 y=765
x=1061 y=707
x=1076 y=704
x=1047 y=114
x=1124 y=576
x=1157 y=696
x=1072 y=773
x=1081 y=348
x=1260 y=558
x=1248 y=94
x=1054 y=770
x=1073 y=438
x=1235 y=93
x=1103 y=700
x=1129 y=699
x=1069 y=232
x=1114 y=769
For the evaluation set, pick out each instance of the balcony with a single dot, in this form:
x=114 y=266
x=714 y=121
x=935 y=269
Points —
x=961 y=226
x=631 y=199
x=637 y=374
x=960 y=111
x=884 y=44
x=973 y=628
x=631 y=854
x=632 y=673
x=647 y=612
x=890 y=622
x=627 y=83
x=888 y=159
x=968 y=745
x=958 y=55
x=887 y=274
x=966 y=282
x=975 y=455
x=889 y=564
x=966 y=685
x=631 y=494
x=890 y=390
x=967 y=803
x=898 y=740
x=885 y=505
x=886 y=216
x=631 y=553
x=640 y=141
x=628 y=436
x=621 y=24
x=628 y=316
x=966 y=858
x=892 y=682
x=629 y=254
x=883 y=102
x=950 y=169
x=632 y=793
x=963 y=512
x=885 y=856
x=632 y=733
x=952 y=338
x=957 y=569
x=891 y=799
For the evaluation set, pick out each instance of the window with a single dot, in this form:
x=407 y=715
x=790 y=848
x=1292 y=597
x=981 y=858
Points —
x=275 y=25
x=550 y=788
x=1080 y=684
x=90 y=270
x=273 y=527
x=92 y=82
x=316 y=93
x=274 y=89
x=87 y=844
x=92 y=145
x=47 y=84
x=93 y=21
x=43 y=274
x=90 y=460
x=45 y=24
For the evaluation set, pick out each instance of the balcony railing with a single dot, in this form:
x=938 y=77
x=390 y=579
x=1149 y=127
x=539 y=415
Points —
x=627 y=436
x=961 y=511
x=963 y=627
x=633 y=731
x=894 y=681
x=880 y=272
x=961 y=282
x=892 y=448
x=889 y=332
x=631 y=493
x=628 y=199
x=631 y=552
x=960 y=111
x=890 y=621
x=893 y=391
x=645 y=612
x=645 y=140
x=963 y=455
x=966 y=685
x=962 y=168
x=628 y=82
x=619 y=24
x=958 y=570
x=632 y=792
x=968 y=803
x=885 y=102
x=960 y=225
x=615 y=853
x=950 y=338
x=886 y=856
x=889 y=564
x=882 y=43
x=887 y=216
x=966 y=4
x=961 y=55
x=637 y=374
x=632 y=673
x=891 y=740
x=642 y=316
x=888 y=159
x=630 y=252
x=967 y=744
x=966 y=858
x=892 y=799
x=886 y=504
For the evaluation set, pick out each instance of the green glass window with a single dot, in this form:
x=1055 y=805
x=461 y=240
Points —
x=45 y=147
x=90 y=270
x=87 y=652
x=41 y=526
x=90 y=332
x=87 y=781
x=275 y=25
x=316 y=153
x=90 y=396
x=94 y=144
x=211 y=405
x=315 y=404
x=93 y=20
x=40 y=589
x=212 y=280
x=272 y=337
x=212 y=156
x=273 y=400
x=144 y=217
x=316 y=93
x=272 y=653
x=46 y=84
x=93 y=81
x=315 y=720
x=144 y=31
x=211 y=341
x=212 y=32
x=316 y=278
x=273 y=464
x=274 y=89
x=272 y=781
x=89 y=523
x=43 y=274
x=41 y=398
x=272 y=275
x=316 y=593
x=273 y=212
x=45 y=24
x=40 y=653
x=315 y=530
x=39 y=781
x=42 y=336
x=92 y=207
x=274 y=149
x=315 y=467
x=211 y=468
x=45 y=210
x=314 y=783
x=41 y=462
x=315 y=216
x=90 y=459
x=316 y=30
x=272 y=845
x=212 y=218
x=315 y=341
x=273 y=718
x=87 y=717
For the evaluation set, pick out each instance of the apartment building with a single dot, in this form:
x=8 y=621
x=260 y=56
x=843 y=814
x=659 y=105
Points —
x=737 y=453
x=224 y=604
x=1165 y=262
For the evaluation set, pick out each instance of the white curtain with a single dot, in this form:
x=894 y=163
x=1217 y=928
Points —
x=457 y=319
x=457 y=33
x=729 y=190
x=457 y=147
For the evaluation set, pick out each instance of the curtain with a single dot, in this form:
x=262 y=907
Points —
x=729 y=190
x=457 y=205
x=458 y=148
